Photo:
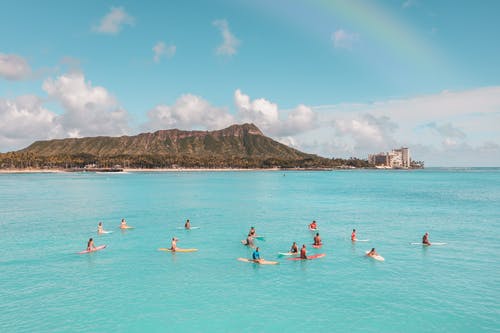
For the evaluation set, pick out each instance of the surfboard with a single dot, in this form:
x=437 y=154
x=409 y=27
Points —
x=177 y=250
x=314 y=256
x=317 y=246
x=288 y=254
x=261 y=262
x=360 y=240
x=433 y=243
x=259 y=238
x=313 y=229
x=127 y=227
x=93 y=250
x=182 y=228
x=104 y=232
x=377 y=257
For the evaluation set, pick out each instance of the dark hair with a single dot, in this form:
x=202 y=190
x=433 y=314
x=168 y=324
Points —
x=317 y=234
x=373 y=249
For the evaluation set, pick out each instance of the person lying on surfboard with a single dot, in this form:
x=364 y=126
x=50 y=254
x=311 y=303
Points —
x=173 y=244
x=372 y=253
x=353 y=235
x=303 y=252
x=313 y=225
x=425 y=239
x=187 y=225
x=90 y=245
x=317 y=239
x=294 y=248
x=256 y=255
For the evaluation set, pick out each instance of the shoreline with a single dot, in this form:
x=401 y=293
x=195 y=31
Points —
x=139 y=170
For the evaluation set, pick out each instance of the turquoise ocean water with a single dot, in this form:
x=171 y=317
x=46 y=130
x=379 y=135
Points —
x=131 y=287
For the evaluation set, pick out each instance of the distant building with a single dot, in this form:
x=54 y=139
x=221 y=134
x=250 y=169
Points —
x=397 y=158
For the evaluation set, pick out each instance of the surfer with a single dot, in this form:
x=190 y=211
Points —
x=425 y=239
x=100 y=230
x=173 y=245
x=303 y=252
x=317 y=239
x=353 y=235
x=123 y=224
x=256 y=255
x=90 y=245
x=248 y=241
x=187 y=225
x=372 y=253
x=294 y=248
x=313 y=225
x=252 y=232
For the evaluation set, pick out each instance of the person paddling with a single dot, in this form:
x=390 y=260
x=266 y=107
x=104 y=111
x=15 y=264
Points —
x=425 y=239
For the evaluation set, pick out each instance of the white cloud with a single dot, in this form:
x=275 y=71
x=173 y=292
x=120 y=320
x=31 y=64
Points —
x=188 y=112
x=89 y=110
x=343 y=39
x=160 y=49
x=267 y=116
x=230 y=42
x=431 y=125
x=114 y=21
x=14 y=67
x=24 y=120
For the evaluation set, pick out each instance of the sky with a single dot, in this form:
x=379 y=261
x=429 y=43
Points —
x=337 y=78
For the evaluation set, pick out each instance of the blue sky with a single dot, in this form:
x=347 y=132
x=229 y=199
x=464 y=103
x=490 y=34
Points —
x=336 y=78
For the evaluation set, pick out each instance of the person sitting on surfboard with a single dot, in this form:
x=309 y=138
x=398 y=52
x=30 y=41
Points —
x=294 y=248
x=90 y=245
x=317 y=239
x=252 y=232
x=187 y=225
x=313 y=225
x=372 y=253
x=353 y=235
x=303 y=252
x=248 y=241
x=173 y=245
x=425 y=239
x=256 y=255
x=99 y=228
x=123 y=224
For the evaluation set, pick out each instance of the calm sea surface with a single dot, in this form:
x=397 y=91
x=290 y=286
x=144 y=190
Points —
x=45 y=219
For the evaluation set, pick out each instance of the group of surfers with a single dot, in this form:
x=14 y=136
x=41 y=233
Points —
x=100 y=230
x=316 y=243
x=249 y=241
